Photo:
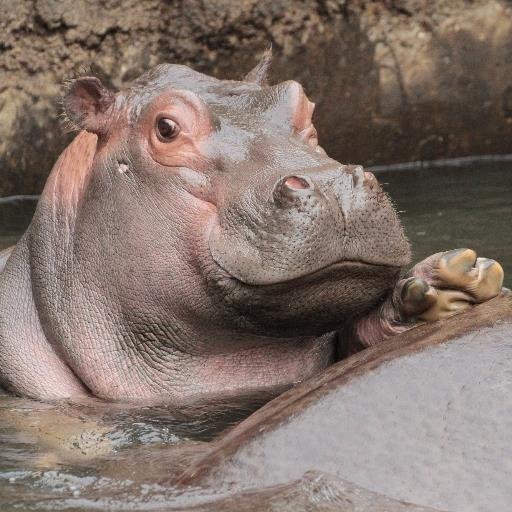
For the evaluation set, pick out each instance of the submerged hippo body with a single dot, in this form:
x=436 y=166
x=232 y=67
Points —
x=424 y=418
x=194 y=242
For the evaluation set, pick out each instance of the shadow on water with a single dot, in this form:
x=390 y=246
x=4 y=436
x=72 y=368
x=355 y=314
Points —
x=97 y=456
x=15 y=216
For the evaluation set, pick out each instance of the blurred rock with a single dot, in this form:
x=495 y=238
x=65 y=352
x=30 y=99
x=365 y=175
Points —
x=394 y=80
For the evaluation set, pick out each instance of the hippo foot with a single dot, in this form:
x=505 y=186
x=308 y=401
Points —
x=446 y=283
x=440 y=286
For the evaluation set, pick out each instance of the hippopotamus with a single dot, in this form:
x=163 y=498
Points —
x=424 y=418
x=194 y=244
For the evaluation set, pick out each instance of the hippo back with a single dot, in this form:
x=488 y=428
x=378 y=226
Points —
x=425 y=418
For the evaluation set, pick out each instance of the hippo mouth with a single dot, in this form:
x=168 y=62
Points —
x=269 y=257
x=330 y=270
x=248 y=266
x=310 y=304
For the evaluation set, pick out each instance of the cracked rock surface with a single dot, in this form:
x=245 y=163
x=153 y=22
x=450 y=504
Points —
x=393 y=80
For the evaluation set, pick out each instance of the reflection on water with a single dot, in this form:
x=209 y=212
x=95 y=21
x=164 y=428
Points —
x=96 y=456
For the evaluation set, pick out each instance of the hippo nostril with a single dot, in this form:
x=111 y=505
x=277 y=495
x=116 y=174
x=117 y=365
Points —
x=296 y=183
x=293 y=187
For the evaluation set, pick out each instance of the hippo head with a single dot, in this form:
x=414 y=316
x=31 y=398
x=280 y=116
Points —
x=212 y=200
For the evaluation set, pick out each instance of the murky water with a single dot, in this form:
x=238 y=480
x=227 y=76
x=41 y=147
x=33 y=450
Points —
x=15 y=215
x=95 y=456
x=450 y=207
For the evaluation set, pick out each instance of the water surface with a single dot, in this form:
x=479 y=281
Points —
x=449 y=207
x=96 y=456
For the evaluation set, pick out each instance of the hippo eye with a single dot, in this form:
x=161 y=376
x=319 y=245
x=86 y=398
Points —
x=167 y=129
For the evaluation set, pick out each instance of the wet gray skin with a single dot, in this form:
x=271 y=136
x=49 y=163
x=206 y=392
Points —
x=425 y=418
x=192 y=245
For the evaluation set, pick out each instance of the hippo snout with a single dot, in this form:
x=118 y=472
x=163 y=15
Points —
x=291 y=226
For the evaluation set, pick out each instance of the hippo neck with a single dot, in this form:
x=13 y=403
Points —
x=114 y=359
x=34 y=367
x=259 y=367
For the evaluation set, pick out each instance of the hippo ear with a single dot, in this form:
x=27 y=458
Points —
x=259 y=74
x=86 y=104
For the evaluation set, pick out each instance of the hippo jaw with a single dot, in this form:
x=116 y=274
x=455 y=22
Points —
x=310 y=262
x=320 y=302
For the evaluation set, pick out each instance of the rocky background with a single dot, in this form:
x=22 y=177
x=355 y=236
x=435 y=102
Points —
x=394 y=80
